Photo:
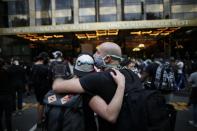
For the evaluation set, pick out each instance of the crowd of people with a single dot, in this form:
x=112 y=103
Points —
x=100 y=79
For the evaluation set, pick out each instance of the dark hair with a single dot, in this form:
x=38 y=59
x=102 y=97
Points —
x=43 y=56
x=125 y=62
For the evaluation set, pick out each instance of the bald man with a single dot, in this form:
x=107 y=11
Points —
x=108 y=55
x=105 y=97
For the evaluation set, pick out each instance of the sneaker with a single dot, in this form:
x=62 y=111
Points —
x=193 y=124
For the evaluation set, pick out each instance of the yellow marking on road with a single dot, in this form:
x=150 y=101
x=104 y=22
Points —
x=29 y=105
x=180 y=106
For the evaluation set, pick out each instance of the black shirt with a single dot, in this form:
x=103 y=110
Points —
x=5 y=88
x=41 y=78
x=102 y=84
x=17 y=76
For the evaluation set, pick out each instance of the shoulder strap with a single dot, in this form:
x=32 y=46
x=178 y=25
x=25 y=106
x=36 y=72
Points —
x=132 y=75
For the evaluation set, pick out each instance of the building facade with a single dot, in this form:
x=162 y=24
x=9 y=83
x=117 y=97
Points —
x=59 y=16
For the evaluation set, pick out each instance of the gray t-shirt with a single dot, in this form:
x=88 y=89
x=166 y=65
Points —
x=193 y=79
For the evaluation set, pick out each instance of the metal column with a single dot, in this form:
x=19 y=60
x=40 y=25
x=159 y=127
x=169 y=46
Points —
x=76 y=11
x=143 y=9
x=119 y=10
x=167 y=9
x=97 y=10
x=53 y=12
x=32 y=13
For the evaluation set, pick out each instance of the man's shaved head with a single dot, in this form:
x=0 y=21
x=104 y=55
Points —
x=110 y=48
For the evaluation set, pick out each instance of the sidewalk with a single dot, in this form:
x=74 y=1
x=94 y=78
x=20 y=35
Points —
x=27 y=120
x=184 y=113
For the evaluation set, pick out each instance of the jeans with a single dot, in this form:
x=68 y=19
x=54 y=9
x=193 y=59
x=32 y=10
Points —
x=19 y=100
x=180 y=81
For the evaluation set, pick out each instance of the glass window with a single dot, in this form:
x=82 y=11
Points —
x=132 y=10
x=43 y=12
x=107 y=2
x=184 y=1
x=64 y=12
x=43 y=21
x=154 y=1
x=64 y=4
x=154 y=9
x=87 y=19
x=189 y=15
x=43 y=5
x=132 y=16
x=87 y=11
x=17 y=7
x=86 y=3
x=105 y=18
x=18 y=13
x=153 y=16
x=184 y=9
x=107 y=10
x=131 y=2
x=63 y=20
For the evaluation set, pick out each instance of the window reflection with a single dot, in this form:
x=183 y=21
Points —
x=107 y=3
x=63 y=4
x=184 y=9
x=43 y=12
x=43 y=5
x=18 y=14
x=64 y=11
x=154 y=9
x=107 y=10
x=87 y=11
x=132 y=10
x=184 y=1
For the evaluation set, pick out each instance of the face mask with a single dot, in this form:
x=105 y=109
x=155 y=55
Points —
x=99 y=62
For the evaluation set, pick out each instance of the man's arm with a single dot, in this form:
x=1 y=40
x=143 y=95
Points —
x=67 y=86
x=111 y=111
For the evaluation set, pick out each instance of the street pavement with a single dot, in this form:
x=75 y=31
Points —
x=27 y=121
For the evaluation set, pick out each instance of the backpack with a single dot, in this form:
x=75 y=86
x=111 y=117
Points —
x=40 y=77
x=165 y=78
x=63 y=112
x=60 y=70
x=144 y=110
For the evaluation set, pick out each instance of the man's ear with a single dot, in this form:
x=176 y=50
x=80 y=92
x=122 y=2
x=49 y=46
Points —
x=107 y=59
